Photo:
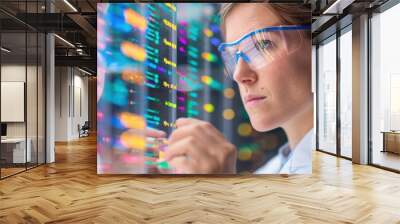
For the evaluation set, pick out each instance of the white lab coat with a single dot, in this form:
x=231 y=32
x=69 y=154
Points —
x=287 y=161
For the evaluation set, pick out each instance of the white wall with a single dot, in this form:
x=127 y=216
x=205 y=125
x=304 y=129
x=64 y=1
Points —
x=80 y=100
x=61 y=104
x=71 y=93
x=16 y=73
x=33 y=127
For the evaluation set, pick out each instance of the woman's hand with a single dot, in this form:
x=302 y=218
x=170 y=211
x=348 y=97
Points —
x=155 y=133
x=197 y=147
x=151 y=136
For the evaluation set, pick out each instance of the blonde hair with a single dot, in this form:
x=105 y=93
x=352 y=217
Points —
x=290 y=13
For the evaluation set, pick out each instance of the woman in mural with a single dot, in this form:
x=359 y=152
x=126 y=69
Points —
x=268 y=54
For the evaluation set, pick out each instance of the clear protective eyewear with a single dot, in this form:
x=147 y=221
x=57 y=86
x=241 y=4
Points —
x=260 y=47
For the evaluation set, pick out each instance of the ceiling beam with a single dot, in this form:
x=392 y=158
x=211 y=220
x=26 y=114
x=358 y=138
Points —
x=86 y=26
x=82 y=61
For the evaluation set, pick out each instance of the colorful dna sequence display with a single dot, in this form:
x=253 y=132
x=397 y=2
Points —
x=158 y=62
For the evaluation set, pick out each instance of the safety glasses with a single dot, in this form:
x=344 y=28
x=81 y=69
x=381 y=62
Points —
x=261 y=47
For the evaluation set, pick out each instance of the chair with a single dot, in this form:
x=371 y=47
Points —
x=84 y=130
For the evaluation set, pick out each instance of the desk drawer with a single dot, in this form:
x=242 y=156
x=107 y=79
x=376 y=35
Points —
x=392 y=142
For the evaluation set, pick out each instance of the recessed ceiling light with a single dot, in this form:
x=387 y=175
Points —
x=338 y=6
x=70 y=5
x=86 y=72
x=64 y=40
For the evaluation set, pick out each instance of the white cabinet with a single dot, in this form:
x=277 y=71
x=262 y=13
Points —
x=18 y=149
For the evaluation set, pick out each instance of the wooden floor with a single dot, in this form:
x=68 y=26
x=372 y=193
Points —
x=70 y=191
x=5 y=172
x=10 y=171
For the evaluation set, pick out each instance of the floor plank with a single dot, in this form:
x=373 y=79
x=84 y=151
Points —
x=70 y=191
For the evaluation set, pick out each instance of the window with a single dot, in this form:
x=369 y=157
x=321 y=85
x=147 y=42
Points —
x=346 y=92
x=327 y=95
x=385 y=89
x=22 y=77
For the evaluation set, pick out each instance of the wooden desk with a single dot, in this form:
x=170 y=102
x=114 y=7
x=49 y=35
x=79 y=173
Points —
x=391 y=141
